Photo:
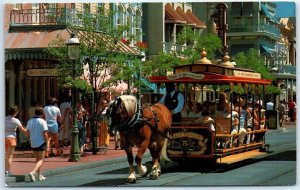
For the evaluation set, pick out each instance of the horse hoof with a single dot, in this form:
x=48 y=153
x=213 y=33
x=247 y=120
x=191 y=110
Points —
x=131 y=180
x=143 y=171
x=153 y=176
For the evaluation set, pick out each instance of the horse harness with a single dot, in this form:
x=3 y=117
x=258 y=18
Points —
x=138 y=120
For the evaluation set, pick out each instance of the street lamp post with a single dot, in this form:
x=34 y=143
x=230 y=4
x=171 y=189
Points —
x=73 y=45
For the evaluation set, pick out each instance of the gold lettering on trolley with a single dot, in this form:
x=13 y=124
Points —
x=186 y=74
x=246 y=74
x=201 y=142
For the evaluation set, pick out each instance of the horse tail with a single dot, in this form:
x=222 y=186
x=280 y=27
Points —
x=163 y=155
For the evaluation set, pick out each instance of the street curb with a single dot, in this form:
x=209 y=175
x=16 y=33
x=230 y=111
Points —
x=68 y=169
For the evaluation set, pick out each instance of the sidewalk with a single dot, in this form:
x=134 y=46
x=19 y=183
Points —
x=23 y=161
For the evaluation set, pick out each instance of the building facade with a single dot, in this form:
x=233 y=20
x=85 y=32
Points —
x=29 y=28
x=162 y=22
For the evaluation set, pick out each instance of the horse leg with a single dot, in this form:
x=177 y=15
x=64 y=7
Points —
x=131 y=178
x=155 y=153
x=138 y=159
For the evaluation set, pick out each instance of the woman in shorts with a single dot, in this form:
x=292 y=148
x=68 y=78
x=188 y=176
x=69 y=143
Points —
x=11 y=124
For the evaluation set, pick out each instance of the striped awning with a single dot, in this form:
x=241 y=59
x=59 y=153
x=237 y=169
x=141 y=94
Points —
x=171 y=16
x=198 y=22
x=188 y=20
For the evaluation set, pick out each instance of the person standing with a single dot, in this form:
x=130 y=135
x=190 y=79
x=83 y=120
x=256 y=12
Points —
x=282 y=113
x=53 y=117
x=66 y=113
x=11 y=124
x=174 y=101
x=270 y=105
x=31 y=109
x=37 y=132
x=81 y=113
x=104 y=121
x=291 y=106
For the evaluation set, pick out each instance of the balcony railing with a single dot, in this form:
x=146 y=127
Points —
x=255 y=28
x=173 y=48
x=31 y=17
x=28 y=19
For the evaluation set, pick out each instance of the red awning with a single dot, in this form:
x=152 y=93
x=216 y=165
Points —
x=171 y=16
x=198 y=22
x=188 y=20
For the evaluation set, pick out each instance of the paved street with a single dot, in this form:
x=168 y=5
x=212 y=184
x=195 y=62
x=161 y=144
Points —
x=111 y=169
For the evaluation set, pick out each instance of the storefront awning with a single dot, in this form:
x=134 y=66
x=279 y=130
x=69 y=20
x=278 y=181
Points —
x=267 y=50
x=171 y=16
x=268 y=14
x=30 y=45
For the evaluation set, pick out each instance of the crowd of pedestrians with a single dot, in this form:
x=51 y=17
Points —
x=48 y=129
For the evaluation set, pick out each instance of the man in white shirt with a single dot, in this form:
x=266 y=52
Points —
x=270 y=105
x=174 y=101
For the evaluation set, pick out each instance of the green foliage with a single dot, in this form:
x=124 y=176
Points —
x=161 y=64
x=195 y=43
x=252 y=60
x=164 y=62
x=273 y=90
x=100 y=56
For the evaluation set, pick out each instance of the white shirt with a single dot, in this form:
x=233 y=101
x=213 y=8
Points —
x=51 y=113
x=11 y=124
x=270 y=106
x=36 y=126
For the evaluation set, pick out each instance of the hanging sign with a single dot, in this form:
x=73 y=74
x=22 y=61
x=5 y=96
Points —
x=42 y=73
x=186 y=74
x=246 y=74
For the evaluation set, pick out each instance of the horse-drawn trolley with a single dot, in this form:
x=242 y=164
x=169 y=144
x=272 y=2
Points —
x=233 y=98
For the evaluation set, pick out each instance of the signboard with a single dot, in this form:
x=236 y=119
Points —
x=246 y=74
x=42 y=73
x=186 y=74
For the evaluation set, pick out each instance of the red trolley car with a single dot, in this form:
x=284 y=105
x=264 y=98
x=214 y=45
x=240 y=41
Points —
x=202 y=82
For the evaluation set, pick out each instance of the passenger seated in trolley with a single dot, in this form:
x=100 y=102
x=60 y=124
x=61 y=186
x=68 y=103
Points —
x=222 y=104
x=259 y=115
x=249 y=118
x=206 y=119
x=196 y=110
x=186 y=109
x=231 y=113
x=242 y=122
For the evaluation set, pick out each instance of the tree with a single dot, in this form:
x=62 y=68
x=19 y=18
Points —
x=105 y=59
x=252 y=60
x=163 y=62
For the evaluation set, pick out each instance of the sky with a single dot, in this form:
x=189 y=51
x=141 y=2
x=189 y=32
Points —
x=285 y=9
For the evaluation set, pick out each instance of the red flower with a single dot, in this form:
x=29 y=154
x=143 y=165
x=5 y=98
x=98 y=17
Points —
x=142 y=45
x=125 y=41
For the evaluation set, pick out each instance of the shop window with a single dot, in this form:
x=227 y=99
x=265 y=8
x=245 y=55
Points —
x=236 y=8
x=247 y=9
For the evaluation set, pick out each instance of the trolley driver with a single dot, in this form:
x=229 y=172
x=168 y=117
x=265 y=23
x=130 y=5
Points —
x=174 y=101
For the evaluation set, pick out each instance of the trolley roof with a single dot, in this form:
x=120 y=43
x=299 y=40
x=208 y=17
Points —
x=211 y=74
